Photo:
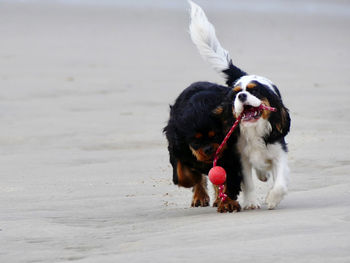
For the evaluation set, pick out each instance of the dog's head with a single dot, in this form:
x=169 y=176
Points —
x=204 y=143
x=248 y=93
x=201 y=126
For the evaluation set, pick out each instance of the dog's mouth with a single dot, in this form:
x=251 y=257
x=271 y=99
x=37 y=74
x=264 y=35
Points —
x=201 y=156
x=251 y=114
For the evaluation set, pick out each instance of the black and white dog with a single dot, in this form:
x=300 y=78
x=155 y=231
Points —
x=261 y=142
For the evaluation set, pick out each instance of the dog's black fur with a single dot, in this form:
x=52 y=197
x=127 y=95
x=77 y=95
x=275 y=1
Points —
x=233 y=73
x=196 y=114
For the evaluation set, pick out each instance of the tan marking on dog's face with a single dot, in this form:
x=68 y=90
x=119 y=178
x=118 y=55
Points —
x=265 y=114
x=201 y=156
x=251 y=85
x=218 y=110
x=198 y=135
x=211 y=134
x=234 y=112
x=237 y=89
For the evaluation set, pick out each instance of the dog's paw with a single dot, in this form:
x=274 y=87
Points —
x=251 y=205
x=275 y=196
x=200 y=200
x=228 y=205
x=250 y=202
x=216 y=202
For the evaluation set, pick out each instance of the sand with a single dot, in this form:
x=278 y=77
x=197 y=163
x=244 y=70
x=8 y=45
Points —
x=84 y=95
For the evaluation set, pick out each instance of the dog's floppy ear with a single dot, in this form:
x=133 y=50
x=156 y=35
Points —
x=280 y=123
x=283 y=124
x=279 y=120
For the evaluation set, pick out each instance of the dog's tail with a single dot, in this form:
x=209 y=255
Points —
x=203 y=36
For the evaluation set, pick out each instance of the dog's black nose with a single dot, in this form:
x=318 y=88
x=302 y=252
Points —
x=242 y=97
x=208 y=150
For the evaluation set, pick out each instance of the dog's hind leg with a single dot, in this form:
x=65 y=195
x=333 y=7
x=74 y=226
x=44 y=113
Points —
x=280 y=175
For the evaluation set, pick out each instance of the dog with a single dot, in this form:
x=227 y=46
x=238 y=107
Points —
x=194 y=132
x=261 y=142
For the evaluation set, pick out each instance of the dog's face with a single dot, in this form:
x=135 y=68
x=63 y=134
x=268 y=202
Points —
x=204 y=142
x=201 y=131
x=248 y=93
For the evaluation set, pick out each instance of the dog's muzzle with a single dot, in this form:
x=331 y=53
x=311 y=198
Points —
x=244 y=101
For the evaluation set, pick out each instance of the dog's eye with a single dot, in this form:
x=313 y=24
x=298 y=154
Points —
x=254 y=92
x=211 y=134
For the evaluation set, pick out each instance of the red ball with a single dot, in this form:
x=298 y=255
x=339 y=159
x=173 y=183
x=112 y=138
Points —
x=217 y=175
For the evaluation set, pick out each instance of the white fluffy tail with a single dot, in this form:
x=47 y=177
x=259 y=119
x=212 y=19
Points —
x=203 y=36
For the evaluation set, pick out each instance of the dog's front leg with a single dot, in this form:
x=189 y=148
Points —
x=280 y=173
x=200 y=195
x=228 y=205
x=250 y=200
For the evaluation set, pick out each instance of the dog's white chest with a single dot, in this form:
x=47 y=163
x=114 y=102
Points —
x=256 y=152
x=254 y=149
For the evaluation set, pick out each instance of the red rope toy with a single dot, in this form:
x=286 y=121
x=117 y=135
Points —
x=217 y=174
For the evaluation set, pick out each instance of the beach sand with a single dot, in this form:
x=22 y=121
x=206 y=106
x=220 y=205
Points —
x=84 y=95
